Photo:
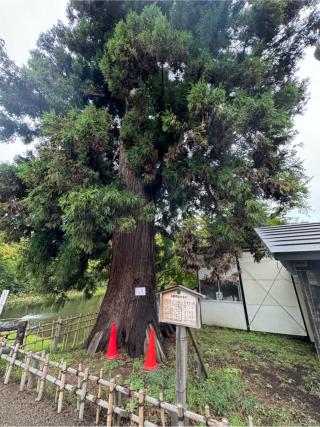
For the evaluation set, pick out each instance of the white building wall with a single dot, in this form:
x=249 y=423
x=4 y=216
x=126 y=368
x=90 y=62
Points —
x=270 y=296
x=227 y=314
x=271 y=301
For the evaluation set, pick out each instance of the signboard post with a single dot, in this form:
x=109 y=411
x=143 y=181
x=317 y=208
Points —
x=3 y=299
x=180 y=306
x=181 y=369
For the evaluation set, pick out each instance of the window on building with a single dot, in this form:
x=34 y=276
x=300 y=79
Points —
x=223 y=290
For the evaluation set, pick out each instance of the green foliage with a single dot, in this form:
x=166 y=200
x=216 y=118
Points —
x=103 y=208
x=194 y=101
x=139 y=44
x=10 y=274
x=170 y=269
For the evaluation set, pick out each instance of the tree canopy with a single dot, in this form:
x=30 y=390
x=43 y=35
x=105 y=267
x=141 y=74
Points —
x=200 y=96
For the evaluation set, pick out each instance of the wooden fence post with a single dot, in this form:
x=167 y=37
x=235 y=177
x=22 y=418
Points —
x=110 y=403
x=131 y=405
x=59 y=378
x=75 y=337
x=207 y=414
x=56 y=335
x=162 y=414
x=7 y=362
x=79 y=382
x=42 y=379
x=13 y=358
x=99 y=393
x=141 y=408
x=41 y=365
x=61 y=388
x=25 y=371
x=31 y=377
x=83 y=394
x=118 y=399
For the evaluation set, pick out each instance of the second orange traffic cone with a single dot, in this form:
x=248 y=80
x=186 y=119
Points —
x=151 y=358
x=112 y=352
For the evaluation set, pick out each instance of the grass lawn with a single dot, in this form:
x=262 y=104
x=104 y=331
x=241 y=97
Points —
x=273 y=378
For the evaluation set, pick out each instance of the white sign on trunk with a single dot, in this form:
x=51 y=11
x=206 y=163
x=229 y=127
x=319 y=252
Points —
x=3 y=299
x=140 y=292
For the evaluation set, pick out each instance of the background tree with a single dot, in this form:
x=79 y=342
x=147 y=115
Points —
x=151 y=114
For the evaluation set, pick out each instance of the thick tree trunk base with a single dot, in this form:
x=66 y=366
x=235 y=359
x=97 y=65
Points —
x=132 y=317
x=132 y=267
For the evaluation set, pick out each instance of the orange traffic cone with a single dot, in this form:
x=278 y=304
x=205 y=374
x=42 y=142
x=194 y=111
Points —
x=151 y=359
x=112 y=352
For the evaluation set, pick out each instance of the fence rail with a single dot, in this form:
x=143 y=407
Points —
x=61 y=333
x=120 y=404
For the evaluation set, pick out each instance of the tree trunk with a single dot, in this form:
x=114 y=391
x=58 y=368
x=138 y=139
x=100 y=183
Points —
x=133 y=265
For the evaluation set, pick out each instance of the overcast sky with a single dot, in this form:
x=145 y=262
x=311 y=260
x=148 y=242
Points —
x=21 y=22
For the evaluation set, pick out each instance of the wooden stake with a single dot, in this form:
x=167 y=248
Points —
x=83 y=394
x=43 y=353
x=56 y=335
x=198 y=352
x=141 y=408
x=131 y=407
x=76 y=332
x=207 y=414
x=31 y=377
x=118 y=399
x=162 y=414
x=79 y=382
x=61 y=388
x=8 y=362
x=42 y=380
x=250 y=420
x=59 y=378
x=65 y=335
x=12 y=360
x=25 y=371
x=110 y=403
x=99 y=393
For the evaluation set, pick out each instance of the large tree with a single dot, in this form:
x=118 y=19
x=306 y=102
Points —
x=146 y=115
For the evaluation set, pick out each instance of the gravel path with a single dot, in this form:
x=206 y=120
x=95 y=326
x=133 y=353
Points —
x=20 y=409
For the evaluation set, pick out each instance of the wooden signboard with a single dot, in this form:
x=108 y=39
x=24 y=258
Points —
x=180 y=306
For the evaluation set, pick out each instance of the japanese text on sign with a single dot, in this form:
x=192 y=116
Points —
x=179 y=308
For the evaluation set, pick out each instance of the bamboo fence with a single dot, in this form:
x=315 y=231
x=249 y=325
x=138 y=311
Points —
x=113 y=404
x=62 y=334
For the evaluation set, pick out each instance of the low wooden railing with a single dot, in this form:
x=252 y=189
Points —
x=37 y=370
x=63 y=333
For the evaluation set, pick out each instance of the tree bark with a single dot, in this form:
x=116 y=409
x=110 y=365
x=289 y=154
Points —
x=133 y=265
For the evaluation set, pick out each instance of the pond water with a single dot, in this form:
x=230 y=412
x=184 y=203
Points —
x=41 y=312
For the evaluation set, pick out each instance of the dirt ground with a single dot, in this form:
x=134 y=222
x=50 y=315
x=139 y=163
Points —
x=20 y=409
